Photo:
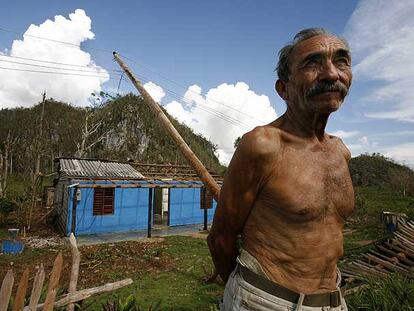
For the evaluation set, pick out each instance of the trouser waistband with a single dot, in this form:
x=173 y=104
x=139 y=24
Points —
x=331 y=299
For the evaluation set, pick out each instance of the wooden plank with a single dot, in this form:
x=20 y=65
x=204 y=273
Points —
x=406 y=226
x=399 y=247
x=407 y=243
x=37 y=288
x=21 y=291
x=6 y=290
x=387 y=264
x=361 y=269
x=53 y=283
x=408 y=234
x=370 y=269
x=74 y=273
x=393 y=260
x=390 y=252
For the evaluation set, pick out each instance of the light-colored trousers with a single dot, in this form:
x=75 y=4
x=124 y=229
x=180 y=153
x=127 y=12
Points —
x=240 y=295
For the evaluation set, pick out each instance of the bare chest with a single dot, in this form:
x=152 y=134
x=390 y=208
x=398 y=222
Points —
x=308 y=185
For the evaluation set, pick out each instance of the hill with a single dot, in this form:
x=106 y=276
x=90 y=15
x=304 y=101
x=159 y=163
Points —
x=119 y=129
x=377 y=170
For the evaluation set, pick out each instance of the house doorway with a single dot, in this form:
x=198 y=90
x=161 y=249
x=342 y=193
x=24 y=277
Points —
x=161 y=207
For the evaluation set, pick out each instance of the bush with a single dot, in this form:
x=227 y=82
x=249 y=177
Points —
x=6 y=207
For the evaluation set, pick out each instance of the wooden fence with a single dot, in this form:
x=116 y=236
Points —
x=50 y=302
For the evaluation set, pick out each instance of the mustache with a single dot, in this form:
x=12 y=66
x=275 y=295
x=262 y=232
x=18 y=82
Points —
x=327 y=86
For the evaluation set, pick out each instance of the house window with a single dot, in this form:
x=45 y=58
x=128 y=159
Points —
x=206 y=199
x=103 y=201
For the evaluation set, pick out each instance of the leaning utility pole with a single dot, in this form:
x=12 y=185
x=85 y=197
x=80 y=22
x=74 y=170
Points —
x=202 y=172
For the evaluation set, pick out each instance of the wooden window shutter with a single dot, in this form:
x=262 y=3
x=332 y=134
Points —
x=103 y=201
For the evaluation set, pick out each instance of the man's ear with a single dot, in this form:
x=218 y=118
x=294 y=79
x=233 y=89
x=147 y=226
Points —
x=280 y=87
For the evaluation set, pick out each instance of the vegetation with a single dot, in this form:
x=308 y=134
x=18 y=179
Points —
x=123 y=128
x=119 y=128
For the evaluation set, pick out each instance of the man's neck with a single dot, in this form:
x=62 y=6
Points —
x=305 y=123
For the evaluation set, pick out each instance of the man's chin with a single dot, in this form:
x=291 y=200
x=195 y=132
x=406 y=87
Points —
x=326 y=106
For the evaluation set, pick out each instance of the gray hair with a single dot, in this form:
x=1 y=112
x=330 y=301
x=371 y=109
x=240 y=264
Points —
x=282 y=68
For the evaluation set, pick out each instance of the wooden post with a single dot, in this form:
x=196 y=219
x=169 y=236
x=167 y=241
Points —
x=149 y=212
x=21 y=291
x=53 y=283
x=6 y=290
x=205 y=219
x=37 y=288
x=202 y=172
x=74 y=273
x=74 y=205
x=169 y=207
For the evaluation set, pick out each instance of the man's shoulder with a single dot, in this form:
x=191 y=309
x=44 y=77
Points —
x=340 y=145
x=261 y=140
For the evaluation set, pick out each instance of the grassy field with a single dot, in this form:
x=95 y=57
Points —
x=171 y=271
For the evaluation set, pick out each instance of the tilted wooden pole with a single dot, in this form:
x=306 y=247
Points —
x=202 y=172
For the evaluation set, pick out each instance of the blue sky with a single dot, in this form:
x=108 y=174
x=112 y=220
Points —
x=210 y=63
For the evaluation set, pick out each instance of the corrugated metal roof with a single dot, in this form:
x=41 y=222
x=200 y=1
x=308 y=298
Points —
x=97 y=169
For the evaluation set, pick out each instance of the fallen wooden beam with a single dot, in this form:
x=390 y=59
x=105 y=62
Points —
x=86 y=293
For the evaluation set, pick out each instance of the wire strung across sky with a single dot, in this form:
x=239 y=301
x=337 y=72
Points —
x=59 y=68
x=71 y=72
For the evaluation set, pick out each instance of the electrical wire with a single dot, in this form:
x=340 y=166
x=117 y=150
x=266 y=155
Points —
x=52 y=40
x=188 y=89
x=44 y=61
x=52 y=67
x=56 y=72
x=204 y=108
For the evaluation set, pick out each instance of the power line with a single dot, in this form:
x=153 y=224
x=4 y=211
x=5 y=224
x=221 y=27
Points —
x=44 y=61
x=206 y=109
x=52 y=40
x=55 y=72
x=178 y=97
x=183 y=87
x=52 y=67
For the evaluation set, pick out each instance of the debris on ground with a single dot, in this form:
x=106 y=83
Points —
x=42 y=242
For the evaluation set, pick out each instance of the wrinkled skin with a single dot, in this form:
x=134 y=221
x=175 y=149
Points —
x=288 y=190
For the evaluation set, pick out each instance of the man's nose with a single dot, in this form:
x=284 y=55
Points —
x=329 y=71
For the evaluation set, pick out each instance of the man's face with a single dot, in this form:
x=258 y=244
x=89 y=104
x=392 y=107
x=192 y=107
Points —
x=320 y=74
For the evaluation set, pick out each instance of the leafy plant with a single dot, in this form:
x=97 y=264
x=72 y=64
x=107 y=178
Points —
x=127 y=304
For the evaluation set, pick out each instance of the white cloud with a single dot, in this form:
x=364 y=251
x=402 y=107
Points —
x=223 y=114
x=344 y=134
x=363 y=140
x=403 y=153
x=381 y=34
x=22 y=88
x=156 y=92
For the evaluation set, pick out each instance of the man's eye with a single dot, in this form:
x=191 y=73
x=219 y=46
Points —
x=311 y=63
x=343 y=61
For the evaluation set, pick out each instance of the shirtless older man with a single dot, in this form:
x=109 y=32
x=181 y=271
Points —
x=287 y=190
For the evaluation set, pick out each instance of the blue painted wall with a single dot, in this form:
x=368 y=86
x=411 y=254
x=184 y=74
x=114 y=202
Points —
x=130 y=212
x=185 y=207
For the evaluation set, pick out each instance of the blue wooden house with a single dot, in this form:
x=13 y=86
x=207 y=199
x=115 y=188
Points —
x=96 y=196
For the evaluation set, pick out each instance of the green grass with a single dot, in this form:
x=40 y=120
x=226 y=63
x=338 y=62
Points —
x=391 y=294
x=180 y=289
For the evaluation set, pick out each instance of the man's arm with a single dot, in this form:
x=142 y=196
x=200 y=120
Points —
x=242 y=182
